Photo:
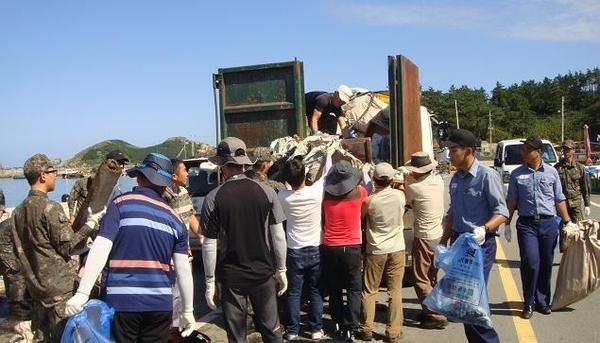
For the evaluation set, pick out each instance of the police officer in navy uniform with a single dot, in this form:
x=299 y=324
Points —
x=535 y=191
x=477 y=205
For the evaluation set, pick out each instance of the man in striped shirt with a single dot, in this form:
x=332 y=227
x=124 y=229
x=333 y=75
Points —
x=138 y=237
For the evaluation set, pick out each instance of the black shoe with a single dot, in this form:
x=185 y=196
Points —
x=430 y=324
x=544 y=310
x=349 y=336
x=527 y=312
x=364 y=336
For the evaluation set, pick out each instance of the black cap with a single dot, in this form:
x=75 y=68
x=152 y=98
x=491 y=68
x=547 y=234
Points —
x=533 y=141
x=117 y=155
x=461 y=137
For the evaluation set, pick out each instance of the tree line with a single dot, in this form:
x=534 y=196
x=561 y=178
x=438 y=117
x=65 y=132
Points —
x=523 y=109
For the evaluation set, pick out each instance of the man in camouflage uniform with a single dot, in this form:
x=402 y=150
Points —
x=575 y=183
x=2 y=203
x=43 y=242
x=259 y=171
x=79 y=192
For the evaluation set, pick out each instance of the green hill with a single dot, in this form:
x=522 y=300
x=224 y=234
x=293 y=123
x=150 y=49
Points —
x=179 y=147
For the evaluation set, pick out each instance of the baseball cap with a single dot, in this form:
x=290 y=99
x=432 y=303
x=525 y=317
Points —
x=35 y=165
x=569 y=143
x=461 y=137
x=533 y=141
x=117 y=155
x=231 y=150
x=157 y=168
x=384 y=169
x=344 y=92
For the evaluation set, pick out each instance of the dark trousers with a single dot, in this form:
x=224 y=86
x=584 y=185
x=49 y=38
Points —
x=141 y=327
x=304 y=265
x=48 y=323
x=264 y=304
x=537 y=241
x=342 y=270
x=476 y=333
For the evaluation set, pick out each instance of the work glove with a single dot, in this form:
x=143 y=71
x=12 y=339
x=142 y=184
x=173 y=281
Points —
x=94 y=218
x=479 y=234
x=571 y=227
x=586 y=211
x=210 y=293
x=187 y=323
x=282 y=282
x=75 y=304
x=507 y=232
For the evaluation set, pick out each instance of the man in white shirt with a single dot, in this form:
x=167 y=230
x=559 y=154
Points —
x=302 y=208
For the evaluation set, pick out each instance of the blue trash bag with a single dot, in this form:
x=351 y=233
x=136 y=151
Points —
x=461 y=294
x=92 y=324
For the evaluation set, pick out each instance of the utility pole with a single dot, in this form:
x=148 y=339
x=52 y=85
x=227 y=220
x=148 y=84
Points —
x=456 y=110
x=562 y=120
x=490 y=127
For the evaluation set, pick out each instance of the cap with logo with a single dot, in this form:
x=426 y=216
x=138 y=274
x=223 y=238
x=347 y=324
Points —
x=231 y=150
x=117 y=155
x=157 y=168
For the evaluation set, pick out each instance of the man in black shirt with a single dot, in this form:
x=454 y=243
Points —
x=245 y=217
x=324 y=110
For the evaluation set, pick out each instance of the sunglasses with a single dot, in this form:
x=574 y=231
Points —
x=53 y=171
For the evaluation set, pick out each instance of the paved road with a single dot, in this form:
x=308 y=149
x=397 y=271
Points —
x=577 y=323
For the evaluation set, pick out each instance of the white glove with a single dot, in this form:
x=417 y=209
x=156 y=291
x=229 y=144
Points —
x=210 y=293
x=282 y=282
x=507 y=232
x=75 y=304
x=586 y=211
x=187 y=323
x=93 y=218
x=571 y=227
x=479 y=234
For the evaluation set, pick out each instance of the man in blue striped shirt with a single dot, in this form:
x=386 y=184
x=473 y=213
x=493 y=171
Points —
x=535 y=190
x=139 y=237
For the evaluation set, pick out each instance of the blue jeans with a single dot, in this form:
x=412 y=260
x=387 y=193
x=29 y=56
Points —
x=304 y=264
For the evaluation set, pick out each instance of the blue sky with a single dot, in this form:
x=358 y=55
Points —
x=74 y=73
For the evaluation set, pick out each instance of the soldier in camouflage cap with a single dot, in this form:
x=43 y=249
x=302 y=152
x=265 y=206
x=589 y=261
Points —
x=575 y=183
x=41 y=228
x=264 y=160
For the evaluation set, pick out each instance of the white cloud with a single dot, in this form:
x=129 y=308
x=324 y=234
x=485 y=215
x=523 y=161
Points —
x=547 y=20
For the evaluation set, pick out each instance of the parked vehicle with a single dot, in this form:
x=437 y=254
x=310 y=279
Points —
x=202 y=178
x=260 y=103
x=508 y=156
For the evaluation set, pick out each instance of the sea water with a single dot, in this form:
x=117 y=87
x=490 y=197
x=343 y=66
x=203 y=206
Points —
x=15 y=190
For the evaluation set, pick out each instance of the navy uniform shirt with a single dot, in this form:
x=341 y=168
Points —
x=536 y=192
x=475 y=197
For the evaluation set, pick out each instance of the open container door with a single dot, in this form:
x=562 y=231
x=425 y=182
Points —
x=260 y=103
x=406 y=134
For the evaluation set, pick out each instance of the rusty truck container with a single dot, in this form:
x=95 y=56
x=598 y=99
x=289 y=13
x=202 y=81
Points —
x=260 y=103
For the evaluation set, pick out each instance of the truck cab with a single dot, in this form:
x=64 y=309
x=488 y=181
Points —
x=508 y=156
x=202 y=178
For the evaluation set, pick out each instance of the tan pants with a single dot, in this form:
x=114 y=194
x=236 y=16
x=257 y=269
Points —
x=375 y=267
x=424 y=272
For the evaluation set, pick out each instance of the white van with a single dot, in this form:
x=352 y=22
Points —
x=508 y=156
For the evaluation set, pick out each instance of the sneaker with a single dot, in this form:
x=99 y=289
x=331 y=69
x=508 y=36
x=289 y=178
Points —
x=317 y=335
x=290 y=336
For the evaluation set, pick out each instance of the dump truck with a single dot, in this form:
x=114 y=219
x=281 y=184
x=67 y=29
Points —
x=261 y=103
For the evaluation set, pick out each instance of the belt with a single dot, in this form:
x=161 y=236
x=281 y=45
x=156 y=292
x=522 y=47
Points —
x=536 y=217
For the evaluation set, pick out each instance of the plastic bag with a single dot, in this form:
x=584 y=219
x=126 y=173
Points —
x=461 y=294
x=92 y=324
x=579 y=271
